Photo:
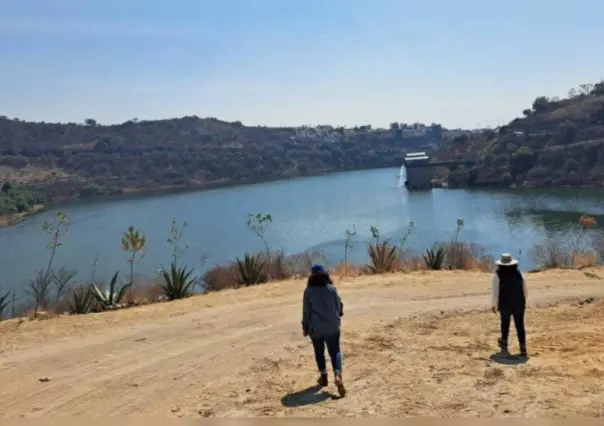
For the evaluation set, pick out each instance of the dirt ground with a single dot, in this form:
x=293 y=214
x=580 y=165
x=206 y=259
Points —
x=417 y=344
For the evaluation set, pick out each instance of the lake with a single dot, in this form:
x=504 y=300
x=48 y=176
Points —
x=308 y=214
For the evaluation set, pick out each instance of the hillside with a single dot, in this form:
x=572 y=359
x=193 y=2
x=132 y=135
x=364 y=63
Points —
x=558 y=142
x=416 y=344
x=66 y=161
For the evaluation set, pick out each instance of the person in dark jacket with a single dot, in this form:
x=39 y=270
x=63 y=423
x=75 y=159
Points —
x=509 y=296
x=322 y=310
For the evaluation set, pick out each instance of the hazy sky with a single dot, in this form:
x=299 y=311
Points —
x=292 y=62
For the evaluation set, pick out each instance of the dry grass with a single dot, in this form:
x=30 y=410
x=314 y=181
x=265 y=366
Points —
x=280 y=267
x=439 y=365
x=554 y=255
x=31 y=174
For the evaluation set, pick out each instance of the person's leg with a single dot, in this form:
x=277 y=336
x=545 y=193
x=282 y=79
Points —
x=333 y=348
x=505 y=317
x=335 y=353
x=520 y=331
x=318 y=345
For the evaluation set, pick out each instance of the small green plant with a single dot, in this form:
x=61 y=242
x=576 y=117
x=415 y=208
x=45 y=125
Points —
x=435 y=257
x=56 y=229
x=348 y=246
x=258 y=224
x=407 y=234
x=39 y=288
x=456 y=250
x=251 y=270
x=177 y=282
x=383 y=255
x=110 y=297
x=133 y=242
x=175 y=240
x=81 y=301
x=62 y=280
x=4 y=301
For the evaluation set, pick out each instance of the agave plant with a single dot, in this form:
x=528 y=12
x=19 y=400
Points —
x=4 y=301
x=110 y=297
x=251 y=270
x=383 y=256
x=177 y=282
x=81 y=301
x=435 y=257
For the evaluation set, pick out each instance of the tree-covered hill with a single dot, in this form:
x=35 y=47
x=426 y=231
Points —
x=557 y=142
x=68 y=161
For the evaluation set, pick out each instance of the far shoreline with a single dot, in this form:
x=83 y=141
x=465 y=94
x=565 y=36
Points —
x=161 y=191
x=177 y=189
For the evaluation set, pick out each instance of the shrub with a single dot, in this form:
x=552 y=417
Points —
x=81 y=301
x=4 y=301
x=435 y=257
x=597 y=244
x=410 y=260
x=177 y=282
x=300 y=264
x=221 y=277
x=278 y=266
x=111 y=297
x=464 y=256
x=383 y=257
x=251 y=270
x=551 y=254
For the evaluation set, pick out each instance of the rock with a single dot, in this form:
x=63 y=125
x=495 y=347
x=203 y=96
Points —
x=175 y=409
x=205 y=412
x=45 y=379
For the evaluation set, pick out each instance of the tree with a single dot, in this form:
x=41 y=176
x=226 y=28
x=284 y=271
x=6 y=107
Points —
x=527 y=112
x=598 y=89
x=6 y=187
x=134 y=242
x=90 y=122
x=566 y=132
x=541 y=104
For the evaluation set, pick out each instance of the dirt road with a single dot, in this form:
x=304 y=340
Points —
x=225 y=354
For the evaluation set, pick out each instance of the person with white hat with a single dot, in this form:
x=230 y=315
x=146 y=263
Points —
x=509 y=296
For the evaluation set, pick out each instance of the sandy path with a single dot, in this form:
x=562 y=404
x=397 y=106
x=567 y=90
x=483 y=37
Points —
x=148 y=360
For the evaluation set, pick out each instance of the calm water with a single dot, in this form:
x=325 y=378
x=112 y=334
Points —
x=308 y=214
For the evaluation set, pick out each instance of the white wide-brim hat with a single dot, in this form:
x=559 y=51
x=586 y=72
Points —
x=506 y=259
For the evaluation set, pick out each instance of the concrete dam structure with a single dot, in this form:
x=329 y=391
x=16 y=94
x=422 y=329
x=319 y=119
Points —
x=419 y=171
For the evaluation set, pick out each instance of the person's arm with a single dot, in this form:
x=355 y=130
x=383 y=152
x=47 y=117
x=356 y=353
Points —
x=524 y=288
x=495 y=292
x=305 y=312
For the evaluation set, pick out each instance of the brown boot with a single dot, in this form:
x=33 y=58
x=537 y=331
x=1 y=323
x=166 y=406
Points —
x=340 y=385
x=322 y=380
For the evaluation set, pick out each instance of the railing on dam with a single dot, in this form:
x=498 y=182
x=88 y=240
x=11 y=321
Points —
x=419 y=164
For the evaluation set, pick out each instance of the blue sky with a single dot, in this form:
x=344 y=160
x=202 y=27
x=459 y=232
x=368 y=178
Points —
x=292 y=62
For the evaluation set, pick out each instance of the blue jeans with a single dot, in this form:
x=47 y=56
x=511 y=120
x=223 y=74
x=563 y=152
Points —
x=333 y=348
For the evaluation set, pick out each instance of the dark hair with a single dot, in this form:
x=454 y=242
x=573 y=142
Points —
x=319 y=279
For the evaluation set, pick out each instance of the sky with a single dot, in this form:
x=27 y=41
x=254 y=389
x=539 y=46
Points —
x=463 y=63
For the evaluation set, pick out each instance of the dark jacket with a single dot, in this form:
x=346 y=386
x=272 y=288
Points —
x=322 y=307
x=509 y=288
